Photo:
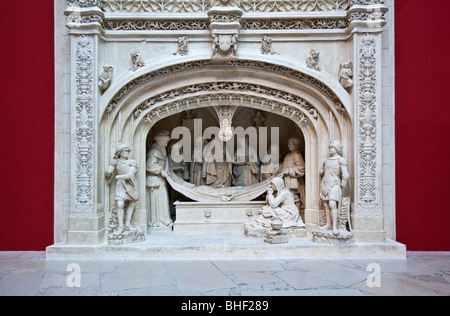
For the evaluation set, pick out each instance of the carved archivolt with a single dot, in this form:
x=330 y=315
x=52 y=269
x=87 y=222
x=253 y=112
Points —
x=233 y=63
x=227 y=93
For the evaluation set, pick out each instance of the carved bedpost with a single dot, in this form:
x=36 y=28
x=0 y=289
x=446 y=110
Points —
x=87 y=217
x=367 y=214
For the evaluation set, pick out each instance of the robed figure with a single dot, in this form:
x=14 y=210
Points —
x=157 y=193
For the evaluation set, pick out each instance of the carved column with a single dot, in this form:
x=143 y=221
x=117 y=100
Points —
x=367 y=215
x=87 y=219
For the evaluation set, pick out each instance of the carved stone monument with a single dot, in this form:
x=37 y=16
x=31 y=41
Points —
x=207 y=73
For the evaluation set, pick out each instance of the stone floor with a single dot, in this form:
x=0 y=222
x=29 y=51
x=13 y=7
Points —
x=30 y=274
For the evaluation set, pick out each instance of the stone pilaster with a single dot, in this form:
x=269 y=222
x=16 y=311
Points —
x=367 y=216
x=87 y=219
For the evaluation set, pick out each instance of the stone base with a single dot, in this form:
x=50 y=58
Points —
x=327 y=237
x=292 y=232
x=127 y=237
x=276 y=237
x=214 y=246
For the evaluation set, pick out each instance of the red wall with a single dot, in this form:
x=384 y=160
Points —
x=422 y=124
x=26 y=129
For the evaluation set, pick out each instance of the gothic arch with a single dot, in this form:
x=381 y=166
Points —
x=152 y=94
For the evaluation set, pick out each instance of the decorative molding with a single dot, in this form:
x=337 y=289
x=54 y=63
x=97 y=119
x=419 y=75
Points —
x=266 y=6
x=156 y=25
x=84 y=3
x=258 y=65
x=367 y=121
x=259 y=102
x=294 y=24
x=194 y=6
x=84 y=128
x=155 y=6
x=177 y=14
x=225 y=94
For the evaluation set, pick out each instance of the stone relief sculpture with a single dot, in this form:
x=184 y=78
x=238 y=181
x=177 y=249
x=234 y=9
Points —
x=105 y=77
x=280 y=206
x=346 y=74
x=335 y=176
x=266 y=46
x=313 y=60
x=126 y=195
x=183 y=46
x=225 y=45
x=293 y=170
x=246 y=166
x=157 y=193
x=137 y=61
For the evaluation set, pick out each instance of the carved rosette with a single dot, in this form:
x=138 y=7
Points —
x=367 y=121
x=84 y=125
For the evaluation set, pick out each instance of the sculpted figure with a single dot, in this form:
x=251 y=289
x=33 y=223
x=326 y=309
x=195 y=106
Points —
x=127 y=189
x=157 y=169
x=313 y=60
x=137 y=61
x=346 y=75
x=335 y=176
x=197 y=165
x=177 y=163
x=246 y=166
x=217 y=171
x=270 y=168
x=293 y=170
x=280 y=205
x=105 y=77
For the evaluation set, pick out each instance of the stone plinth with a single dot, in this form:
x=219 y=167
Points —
x=215 y=245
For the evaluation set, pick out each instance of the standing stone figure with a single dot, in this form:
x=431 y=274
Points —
x=198 y=174
x=246 y=166
x=127 y=188
x=293 y=170
x=335 y=176
x=217 y=170
x=157 y=171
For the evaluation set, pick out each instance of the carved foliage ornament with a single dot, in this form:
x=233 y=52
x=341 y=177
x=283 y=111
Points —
x=367 y=123
x=84 y=132
x=131 y=86
x=192 y=6
x=223 y=93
